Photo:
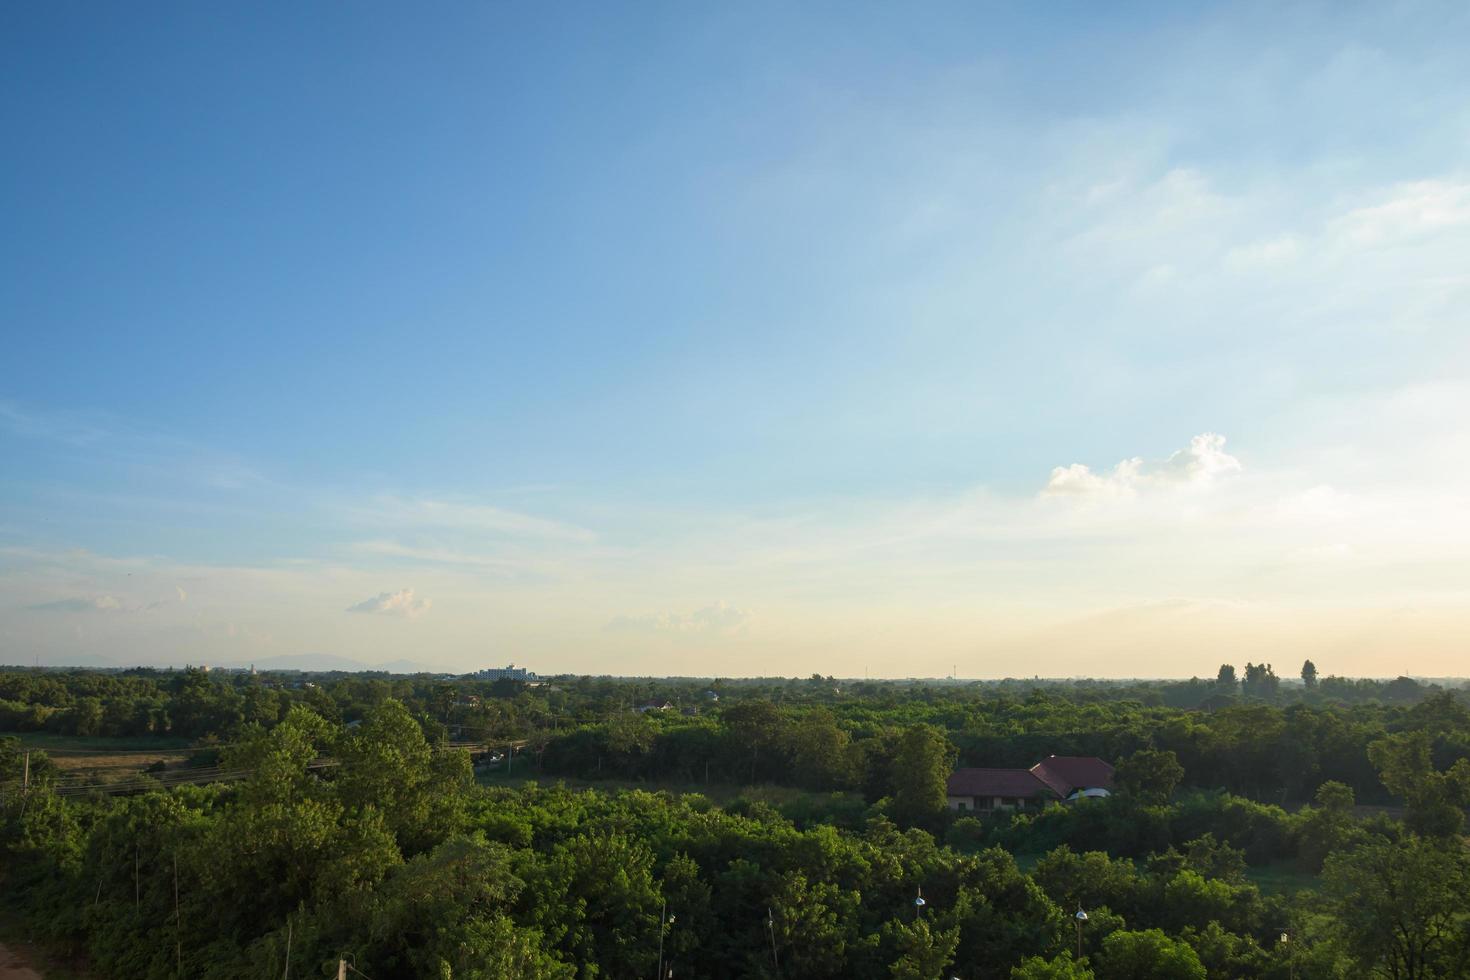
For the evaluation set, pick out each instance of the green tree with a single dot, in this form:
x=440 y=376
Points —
x=1309 y=675
x=1326 y=827
x=812 y=923
x=1260 y=681
x=921 y=769
x=1149 y=775
x=388 y=764
x=755 y=725
x=819 y=751
x=1148 y=955
x=1062 y=967
x=1398 y=907
x=1226 y=677
x=1437 y=800
x=924 y=950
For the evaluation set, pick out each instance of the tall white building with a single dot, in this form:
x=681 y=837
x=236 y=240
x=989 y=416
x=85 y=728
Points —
x=510 y=672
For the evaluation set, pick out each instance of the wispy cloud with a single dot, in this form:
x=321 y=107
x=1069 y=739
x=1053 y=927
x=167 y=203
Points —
x=69 y=428
x=1197 y=466
x=101 y=603
x=430 y=514
x=719 y=619
x=401 y=603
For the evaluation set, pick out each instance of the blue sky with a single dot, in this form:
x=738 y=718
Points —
x=742 y=340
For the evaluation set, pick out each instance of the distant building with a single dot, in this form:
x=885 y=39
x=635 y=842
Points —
x=657 y=704
x=1055 y=778
x=510 y=672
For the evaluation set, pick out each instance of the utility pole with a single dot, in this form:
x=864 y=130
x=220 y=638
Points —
x=771 y=927
x=662 y=906
x=288 y=950
x=178 y=923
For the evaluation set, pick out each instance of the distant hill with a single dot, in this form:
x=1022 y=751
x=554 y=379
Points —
x=68 y=660
x=294 y=661
x=412 y=667
x=329 y=661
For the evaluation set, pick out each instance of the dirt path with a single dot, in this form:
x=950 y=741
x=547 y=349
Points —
x=12 y=967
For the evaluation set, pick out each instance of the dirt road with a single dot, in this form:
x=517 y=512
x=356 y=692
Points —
x=12 y=967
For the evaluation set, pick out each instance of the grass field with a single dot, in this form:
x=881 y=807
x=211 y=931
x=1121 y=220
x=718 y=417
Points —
x=1281 y=878
x=718 y=793
x=48 y=965
x=101 y=759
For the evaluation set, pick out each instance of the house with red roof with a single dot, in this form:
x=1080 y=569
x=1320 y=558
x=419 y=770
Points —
x=1056 y=778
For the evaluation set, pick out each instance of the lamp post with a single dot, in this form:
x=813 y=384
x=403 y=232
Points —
x=1079 y=918
x=1290 y=960
x=919 y=903
x=771 y=928
x=664 y=921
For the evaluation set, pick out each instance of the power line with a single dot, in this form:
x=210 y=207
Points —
x=145 y=751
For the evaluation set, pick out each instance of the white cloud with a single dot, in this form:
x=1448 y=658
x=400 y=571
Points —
x=1407 y=211
x=401 y=603
x=1198 y=465
x=718 y=619
x=1268 y=253
x=101 y=603
x=405 y=512
x=431 y=554
x=1322 y=553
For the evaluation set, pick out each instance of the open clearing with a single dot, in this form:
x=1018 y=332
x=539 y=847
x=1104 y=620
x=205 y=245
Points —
x=104 y=760
x=12 y=967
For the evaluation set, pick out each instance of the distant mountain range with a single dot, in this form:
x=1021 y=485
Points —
x=296 y=661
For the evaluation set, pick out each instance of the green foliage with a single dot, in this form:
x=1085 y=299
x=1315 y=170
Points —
x=1397 y=908
x=1149 y=775
x=1062 y=967
x=924 y=951
x=1437 y=800
x=1148 y=955
x=921 y=771
x=1309 y=674
x=373 y=842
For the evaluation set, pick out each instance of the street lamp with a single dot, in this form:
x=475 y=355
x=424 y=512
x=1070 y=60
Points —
x=664 y=921
x=1080 y=918
x=771 y=927
x=919 y=902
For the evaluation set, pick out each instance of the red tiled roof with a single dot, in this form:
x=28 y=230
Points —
x=1065 y=773
x=1015 y=783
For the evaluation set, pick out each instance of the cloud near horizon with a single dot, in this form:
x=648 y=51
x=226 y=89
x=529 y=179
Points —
x=101 y=603
x=1197 y=466
x=401 y=603
x=720 y=619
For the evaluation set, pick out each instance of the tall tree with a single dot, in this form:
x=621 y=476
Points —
x=1309 y=674
x=1226 y=676
x=1149 y=775
x=1148 y=955
x=921 y=769
x=1398 y=907
x=1260 y=681
x=755 y=724
x=1437 y=800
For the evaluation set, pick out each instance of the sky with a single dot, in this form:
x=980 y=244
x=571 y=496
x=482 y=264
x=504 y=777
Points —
x=743 y=339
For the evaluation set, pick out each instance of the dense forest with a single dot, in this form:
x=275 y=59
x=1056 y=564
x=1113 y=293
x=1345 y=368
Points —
x=599 y=827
